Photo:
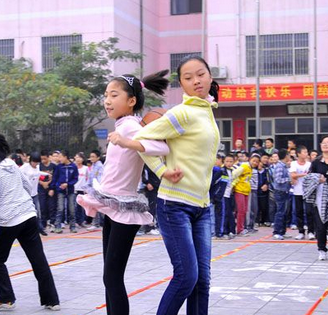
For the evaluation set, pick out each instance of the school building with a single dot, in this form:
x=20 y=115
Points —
x=222 y=30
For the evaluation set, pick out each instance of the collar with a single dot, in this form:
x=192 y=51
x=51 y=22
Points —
x=121 y=120
x=197 y=101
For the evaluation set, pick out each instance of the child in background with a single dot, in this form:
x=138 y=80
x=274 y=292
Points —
x=262 y=195
x=218 y=186
x=65 y=177
x=225 y=220
x=95 y=173
x=31 y=171
x=78 y=187
x=241 y=182
x=252 y=201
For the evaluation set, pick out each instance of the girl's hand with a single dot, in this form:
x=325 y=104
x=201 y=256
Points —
x=174 y=176
x=116 y=139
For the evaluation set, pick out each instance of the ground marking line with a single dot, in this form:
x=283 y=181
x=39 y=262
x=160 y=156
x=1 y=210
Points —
x=73 y=259
x=152 y=285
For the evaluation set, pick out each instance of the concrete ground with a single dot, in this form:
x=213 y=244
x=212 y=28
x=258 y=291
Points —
x=250 y=275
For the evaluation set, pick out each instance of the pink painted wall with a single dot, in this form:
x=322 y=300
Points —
x=277 y=17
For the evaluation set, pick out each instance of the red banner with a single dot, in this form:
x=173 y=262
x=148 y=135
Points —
x=272 y=92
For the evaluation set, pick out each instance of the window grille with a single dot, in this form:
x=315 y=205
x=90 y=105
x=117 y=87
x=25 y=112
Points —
x=281 y=54
x=7 y=48
x=51 y=44
x=175 y=61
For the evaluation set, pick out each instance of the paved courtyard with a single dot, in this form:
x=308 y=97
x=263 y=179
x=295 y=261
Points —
x=250 y=275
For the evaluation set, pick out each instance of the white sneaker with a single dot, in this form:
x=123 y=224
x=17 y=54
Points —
x=7 y=306
x=92 y=228
x=52 y=307
x=305 y=227
x=278 y=237
x=293 y=227
x=322 y=255
x=153 y=232
x=299 y=237
x=311 y=236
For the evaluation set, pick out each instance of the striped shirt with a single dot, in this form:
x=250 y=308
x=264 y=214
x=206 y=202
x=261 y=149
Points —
x=16 y=205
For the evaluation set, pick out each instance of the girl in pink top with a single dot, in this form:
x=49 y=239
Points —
x=116 y=195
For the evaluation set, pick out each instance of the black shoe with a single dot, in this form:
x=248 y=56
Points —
x=44 y=233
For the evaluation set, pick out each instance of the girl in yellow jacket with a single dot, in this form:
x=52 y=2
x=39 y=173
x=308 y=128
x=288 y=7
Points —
x=241 y=182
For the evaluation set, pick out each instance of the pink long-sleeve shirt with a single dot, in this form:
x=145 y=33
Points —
x=122 y=173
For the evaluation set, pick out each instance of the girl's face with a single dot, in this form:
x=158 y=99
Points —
x=117 y=103
x=195 y=79
x=78 y=159
x=254 y=162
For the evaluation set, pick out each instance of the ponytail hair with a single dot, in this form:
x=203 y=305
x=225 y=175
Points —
x=214 y=90
x=4 y=148
x=134 y=87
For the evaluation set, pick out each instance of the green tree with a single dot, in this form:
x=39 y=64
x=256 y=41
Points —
x=30 y=101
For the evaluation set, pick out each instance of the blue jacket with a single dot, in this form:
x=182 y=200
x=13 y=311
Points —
x=65 y=174
x=219 y=183
x=263 y=180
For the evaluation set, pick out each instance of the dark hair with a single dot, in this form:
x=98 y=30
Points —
x=245 y=153
x=324 y=137
x=229 y=155
x=81 y=155
x=269 y=139
x=133 y=86
x=255 y=155
x=282 y=153
x=35 y=157
x=19 y=151
x=316 y=151
x=299 y=149
x=96 y=152
x=214 y=90
x=292 y=140
x=17 y=159
x=259 y=142
x=55 y=151
x=44 y=153
x=64 y=153
x=265 y=154
x=4 y=148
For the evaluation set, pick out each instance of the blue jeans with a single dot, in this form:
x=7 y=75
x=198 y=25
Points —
x=186 y=231
x=281 y=198
x=61 y=207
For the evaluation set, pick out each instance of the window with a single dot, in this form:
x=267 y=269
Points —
x=59 y=43
x=185 y=6
x=281 y=54
x=175 y=61
x=285 y=125
x=7 y=48
x=266 y=127
x=305 y=125
x=225 y=128
x=251 y=128
x=324 y=125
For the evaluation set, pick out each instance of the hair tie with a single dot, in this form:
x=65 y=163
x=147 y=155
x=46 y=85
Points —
x=142 y=84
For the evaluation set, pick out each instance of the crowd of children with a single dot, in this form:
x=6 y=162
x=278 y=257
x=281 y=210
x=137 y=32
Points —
x=263 y=188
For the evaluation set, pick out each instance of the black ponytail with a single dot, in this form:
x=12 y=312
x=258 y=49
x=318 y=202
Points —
x=4 y=148
x=133 y=86
x=214 y=90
